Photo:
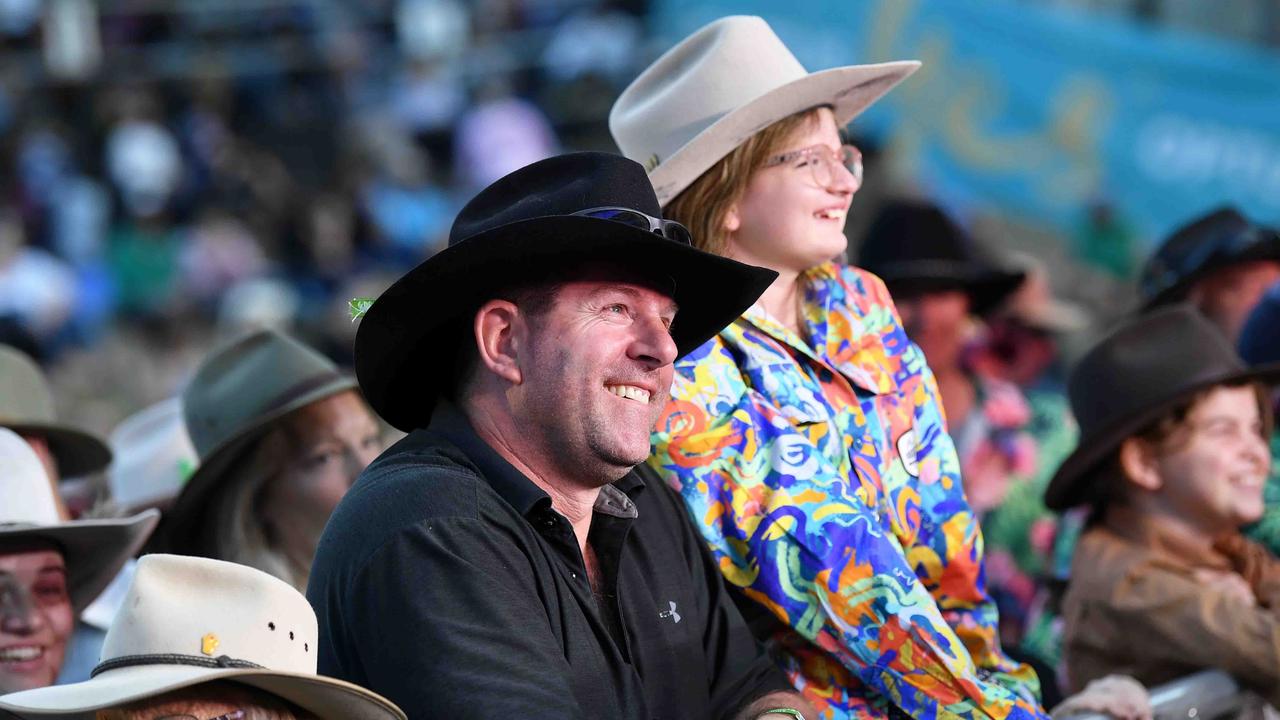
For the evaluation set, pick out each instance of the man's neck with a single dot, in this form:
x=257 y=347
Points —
x=572 y=500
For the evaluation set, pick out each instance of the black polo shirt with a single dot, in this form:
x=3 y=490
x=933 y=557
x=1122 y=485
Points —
x=446 y=582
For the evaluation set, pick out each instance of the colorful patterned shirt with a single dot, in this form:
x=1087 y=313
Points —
x=822 y=477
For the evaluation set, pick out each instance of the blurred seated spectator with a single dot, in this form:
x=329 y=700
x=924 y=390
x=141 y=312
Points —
x=50 y=568
x=500 y=133
x=1221 y=262
x=1259 y=346
x=219 y=251
x=36 y=288
x=203 y=638
x=1171 y=463
x=281 y=435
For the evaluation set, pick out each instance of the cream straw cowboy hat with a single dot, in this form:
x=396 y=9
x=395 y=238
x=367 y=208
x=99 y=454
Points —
x=93 y=550
x=721 y=85
x=188 y=621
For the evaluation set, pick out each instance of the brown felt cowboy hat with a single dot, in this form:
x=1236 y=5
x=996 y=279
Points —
x=93 y=550
x=544 y=217
x=724 y=83
x=1140 y=371
x=236 y=394
x=26 y=407
x=187 y=621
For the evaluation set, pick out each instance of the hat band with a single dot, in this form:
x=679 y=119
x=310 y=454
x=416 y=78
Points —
x=300 y=389
x=220 y=662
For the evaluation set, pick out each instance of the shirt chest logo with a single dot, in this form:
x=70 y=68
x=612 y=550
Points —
x=675 y=616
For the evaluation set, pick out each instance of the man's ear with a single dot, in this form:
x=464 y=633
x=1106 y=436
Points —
x=1138 y=461
x=499 y=330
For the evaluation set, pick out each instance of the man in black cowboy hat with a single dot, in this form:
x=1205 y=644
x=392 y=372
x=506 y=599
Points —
x=1171 y=461
x=1220 y=262
x=504 y=560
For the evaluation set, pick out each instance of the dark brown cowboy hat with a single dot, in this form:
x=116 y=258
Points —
x=539 y=219
x=26 y=407
x=234 y=397
x=1140 y=371
x=916 y=248
x=1210 y=242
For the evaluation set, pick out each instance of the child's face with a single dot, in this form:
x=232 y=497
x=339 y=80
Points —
x=1213 y=469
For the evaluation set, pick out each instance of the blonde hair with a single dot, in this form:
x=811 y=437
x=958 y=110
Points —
x=241 y=534
x=702 y=206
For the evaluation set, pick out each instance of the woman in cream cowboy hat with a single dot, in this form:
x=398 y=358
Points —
x=281 y=435
x=50 y=569
x=204 y=638
x=807 y=438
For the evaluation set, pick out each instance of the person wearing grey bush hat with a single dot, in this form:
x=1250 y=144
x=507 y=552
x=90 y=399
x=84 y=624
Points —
x=281 y=434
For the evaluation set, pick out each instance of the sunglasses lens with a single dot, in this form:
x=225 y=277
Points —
x=672 y=230
x=624 y=216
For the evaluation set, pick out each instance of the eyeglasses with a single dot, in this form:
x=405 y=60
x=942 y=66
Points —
x=233 y=715
x=822 y=161
x=669 y=229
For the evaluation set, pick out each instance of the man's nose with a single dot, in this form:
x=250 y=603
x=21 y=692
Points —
x=654 y=343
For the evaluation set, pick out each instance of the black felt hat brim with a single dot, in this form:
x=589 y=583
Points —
x=408 y=340
x=987 y=287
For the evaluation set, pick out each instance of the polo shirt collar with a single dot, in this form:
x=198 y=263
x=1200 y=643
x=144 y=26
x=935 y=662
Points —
x=512 y=485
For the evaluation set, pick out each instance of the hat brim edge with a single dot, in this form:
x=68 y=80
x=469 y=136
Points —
x=328 y=698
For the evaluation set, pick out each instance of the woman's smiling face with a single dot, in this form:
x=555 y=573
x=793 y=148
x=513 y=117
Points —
x=785 y=220
x=35 y=616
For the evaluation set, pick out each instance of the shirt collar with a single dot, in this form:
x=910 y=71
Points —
x=511 y=484
x=849 y=347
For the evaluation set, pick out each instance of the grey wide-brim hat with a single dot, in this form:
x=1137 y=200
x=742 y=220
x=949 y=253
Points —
x=26 y=407
x=724 y=83
x=186 y=621
x=236 y=394
x=93 y=550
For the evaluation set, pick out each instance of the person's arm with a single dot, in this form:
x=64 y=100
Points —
x=794 y=533
x=444 y=620
x=947 y=553
x=1193 y=624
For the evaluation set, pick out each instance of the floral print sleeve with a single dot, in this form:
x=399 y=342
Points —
x=822 y=477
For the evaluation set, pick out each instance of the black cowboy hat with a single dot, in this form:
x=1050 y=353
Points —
x=1210 y=242
x=1140 y=371
x=915 y=248
x=541 y=218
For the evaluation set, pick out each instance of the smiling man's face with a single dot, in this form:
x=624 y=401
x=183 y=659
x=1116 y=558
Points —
x=597 y=369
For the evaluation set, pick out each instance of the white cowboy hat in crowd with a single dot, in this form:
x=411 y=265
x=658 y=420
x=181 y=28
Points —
x=721 y=85
x=93 y=550
x=188 y=621
x=153 y=456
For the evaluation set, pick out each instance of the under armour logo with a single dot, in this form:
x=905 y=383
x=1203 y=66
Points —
x=670 y=613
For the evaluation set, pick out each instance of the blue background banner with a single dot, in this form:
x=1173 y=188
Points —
x=1039 y=111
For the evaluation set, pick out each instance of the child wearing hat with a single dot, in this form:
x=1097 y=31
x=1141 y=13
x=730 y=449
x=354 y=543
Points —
x=1172 y=460
x=50 y=569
